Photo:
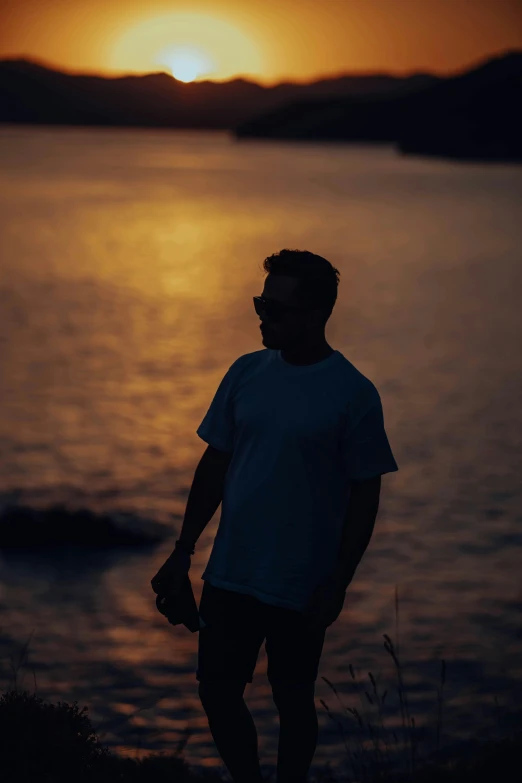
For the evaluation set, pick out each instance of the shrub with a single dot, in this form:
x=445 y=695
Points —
x=46 y=742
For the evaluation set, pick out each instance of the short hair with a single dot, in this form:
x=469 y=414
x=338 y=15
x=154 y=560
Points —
x=318 y=279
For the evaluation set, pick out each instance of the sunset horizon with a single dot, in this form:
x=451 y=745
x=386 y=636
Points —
x=221 y=41
x=355 y=73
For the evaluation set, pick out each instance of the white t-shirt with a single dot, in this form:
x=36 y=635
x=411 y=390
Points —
x=298 y=435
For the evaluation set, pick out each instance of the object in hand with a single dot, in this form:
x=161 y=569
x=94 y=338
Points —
x=180 y=608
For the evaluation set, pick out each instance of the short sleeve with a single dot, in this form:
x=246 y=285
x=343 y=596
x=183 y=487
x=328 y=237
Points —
x=217 y=427
x=366 y=449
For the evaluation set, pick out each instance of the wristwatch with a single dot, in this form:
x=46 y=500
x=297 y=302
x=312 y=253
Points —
x=185 y=547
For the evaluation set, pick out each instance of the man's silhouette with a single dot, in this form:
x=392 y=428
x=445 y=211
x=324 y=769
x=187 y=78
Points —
x=297 y=447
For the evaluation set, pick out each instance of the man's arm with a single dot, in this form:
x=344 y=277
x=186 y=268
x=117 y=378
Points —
x=357 y=529
x=205 y=494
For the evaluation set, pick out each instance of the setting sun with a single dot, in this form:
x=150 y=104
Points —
x=190 y=46
x=186 y=63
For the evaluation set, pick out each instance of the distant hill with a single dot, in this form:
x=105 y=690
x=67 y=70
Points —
x=475 y=115
x=31 y=93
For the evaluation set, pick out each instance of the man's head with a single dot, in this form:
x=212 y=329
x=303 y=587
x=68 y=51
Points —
x=302 y=279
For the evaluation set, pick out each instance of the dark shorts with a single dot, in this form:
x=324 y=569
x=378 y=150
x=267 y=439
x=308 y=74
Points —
x=236 y=626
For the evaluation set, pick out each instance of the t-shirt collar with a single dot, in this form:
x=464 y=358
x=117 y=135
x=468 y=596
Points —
x=306 y=368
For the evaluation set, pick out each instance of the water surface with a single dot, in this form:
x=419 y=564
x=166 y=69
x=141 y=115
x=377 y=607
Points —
x=128 y=264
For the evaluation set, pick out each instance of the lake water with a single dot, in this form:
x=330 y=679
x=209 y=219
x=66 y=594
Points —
x=128 y=264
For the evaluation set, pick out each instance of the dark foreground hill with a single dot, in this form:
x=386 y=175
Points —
x=475 y=115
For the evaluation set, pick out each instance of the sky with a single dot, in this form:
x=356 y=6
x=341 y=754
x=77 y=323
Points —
x=268 y=41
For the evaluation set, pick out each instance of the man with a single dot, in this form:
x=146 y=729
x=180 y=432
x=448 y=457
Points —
x=297 y=447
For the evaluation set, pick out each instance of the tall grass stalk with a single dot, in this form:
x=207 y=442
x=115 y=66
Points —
x=339 y=725
x=403 y=700
x=21 y=661
x=439 y=705
x=380 y=763
x=397 y=619
x=380 y=706
x=371 y=731
x=408 y=726
x=361 y=756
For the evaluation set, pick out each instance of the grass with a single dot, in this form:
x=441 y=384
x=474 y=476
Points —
x=54 y=743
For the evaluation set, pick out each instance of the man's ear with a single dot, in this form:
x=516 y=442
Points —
x=319 y=317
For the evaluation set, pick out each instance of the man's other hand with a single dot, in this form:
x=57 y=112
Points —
x=325 y=604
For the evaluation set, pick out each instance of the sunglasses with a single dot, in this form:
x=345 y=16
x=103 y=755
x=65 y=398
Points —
x=269 y=308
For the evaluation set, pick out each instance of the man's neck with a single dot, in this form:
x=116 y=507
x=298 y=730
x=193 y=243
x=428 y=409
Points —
x=308 y=355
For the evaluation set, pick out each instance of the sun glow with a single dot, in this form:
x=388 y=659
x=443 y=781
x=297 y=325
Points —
x=186 y=63
x=188 y=45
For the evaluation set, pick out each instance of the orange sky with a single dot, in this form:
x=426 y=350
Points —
x=265 y=40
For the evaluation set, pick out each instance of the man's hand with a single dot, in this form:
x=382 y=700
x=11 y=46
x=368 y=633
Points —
x=169 y=579
x=325 y=603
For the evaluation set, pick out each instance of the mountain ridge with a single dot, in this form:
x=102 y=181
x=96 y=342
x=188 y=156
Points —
x=33 y=93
